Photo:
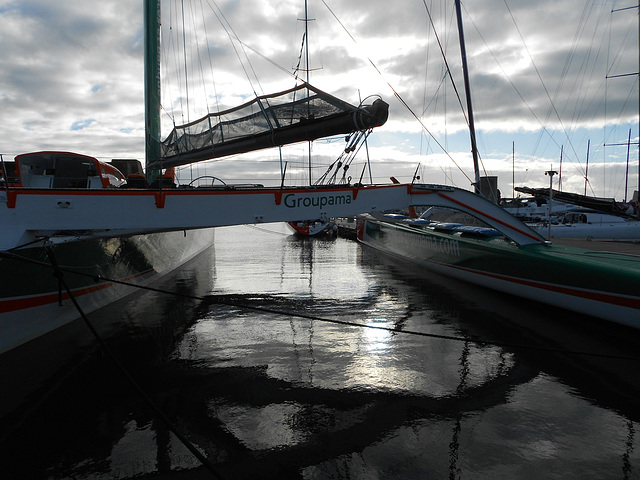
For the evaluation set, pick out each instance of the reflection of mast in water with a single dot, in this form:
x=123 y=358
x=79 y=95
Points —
x=309 y=251
x=626 y=463
x=306 y=257
x=163 y=445
x=307 y=254
x=454 y=446
x=303 y=246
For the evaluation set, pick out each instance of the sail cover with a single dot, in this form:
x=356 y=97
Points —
x=302 y=113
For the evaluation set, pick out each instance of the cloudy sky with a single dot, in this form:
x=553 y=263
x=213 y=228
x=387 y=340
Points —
x=71 y=79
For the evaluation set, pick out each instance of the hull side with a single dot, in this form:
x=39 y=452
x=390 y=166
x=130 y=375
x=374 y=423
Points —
x=615 y=231
x=591 y=283
x=33 y=304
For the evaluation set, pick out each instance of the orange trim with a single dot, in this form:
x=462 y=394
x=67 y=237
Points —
x=12 y=196
x=49 y=298
x=360 y=230
x=25 y=303
x=160 y=199
x=105 y=170
x=262 y=191
x=411 y=191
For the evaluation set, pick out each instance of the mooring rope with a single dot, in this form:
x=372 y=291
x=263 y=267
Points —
x=58 y=273
x=213 y=300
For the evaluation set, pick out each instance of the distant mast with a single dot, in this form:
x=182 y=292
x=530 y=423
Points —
x=152 y=82
x=467 y=89
x=637 y=74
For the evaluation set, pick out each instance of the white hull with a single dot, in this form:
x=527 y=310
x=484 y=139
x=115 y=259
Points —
x=605 y=231
x=29 y=213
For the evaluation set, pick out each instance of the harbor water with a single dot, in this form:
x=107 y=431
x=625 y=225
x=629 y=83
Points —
x=284 y=357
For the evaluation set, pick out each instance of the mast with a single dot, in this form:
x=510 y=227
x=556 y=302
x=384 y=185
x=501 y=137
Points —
x=560 y=176
x=638 y=75
x=472 y=128
x=306 y=46
x=551 y=173
x=626 y=173
x=586 y=172
x=152 y=83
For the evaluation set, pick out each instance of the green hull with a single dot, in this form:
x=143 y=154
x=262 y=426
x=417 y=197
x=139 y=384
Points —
x=600 y=284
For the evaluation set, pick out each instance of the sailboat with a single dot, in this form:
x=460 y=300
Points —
x=75 y=226
x=318 y=226
x=588 y=218
x=502 y=253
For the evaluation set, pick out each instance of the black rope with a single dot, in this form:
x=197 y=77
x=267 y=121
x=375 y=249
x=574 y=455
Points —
x=211 y=299
x=58 y=273
x=430 y=335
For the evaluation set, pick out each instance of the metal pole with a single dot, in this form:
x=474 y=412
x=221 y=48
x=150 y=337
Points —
x=465 y=72
x=4 y=174
x=551 y=173
x=586 y=172
x=513 y=169
x=560 y=174
x=626 y=173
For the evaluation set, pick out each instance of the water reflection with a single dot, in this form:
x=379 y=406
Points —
x=265 y=394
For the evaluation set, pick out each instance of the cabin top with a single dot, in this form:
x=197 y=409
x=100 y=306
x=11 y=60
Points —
x=66 y=170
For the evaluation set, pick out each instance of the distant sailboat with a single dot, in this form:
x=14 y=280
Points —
x=324 y=225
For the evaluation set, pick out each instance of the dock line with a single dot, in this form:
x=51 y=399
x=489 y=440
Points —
x=211 y=299
x=183 y=439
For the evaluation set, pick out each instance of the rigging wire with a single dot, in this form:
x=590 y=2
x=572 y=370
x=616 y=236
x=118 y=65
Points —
x=552 y=107
x=398 y=96
x=213 y=81
x=465 y=113
x=184 y=59
x=593 y=52
x=446 y=63
x=232 y=35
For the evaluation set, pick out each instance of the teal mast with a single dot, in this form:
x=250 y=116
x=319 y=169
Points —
x=152 y=83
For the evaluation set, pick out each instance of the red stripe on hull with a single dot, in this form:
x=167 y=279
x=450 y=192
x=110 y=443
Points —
x=24 y=303
x=628 y=302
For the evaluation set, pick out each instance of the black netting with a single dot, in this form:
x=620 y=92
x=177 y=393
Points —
x=302 y=113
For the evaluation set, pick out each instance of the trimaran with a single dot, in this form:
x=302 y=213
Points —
x=99 y=223
x=69 y=211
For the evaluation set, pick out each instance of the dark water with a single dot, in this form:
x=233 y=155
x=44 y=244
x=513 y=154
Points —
x=496 y=391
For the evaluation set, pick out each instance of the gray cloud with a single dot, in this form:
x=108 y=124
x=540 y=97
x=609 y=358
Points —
x=69 y=63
